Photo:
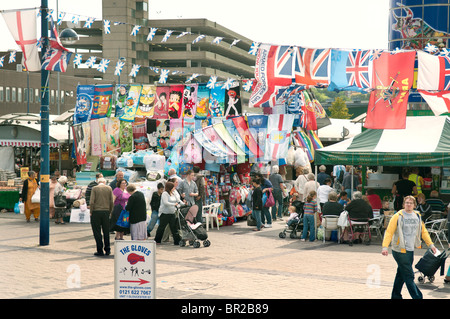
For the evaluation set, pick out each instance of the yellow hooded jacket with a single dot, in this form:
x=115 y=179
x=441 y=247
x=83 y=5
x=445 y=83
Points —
x=394 y=233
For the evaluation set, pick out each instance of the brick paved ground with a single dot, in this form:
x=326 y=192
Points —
x=240 y=263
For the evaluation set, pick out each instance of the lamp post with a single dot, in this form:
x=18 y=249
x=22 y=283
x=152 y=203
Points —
x=44 y=234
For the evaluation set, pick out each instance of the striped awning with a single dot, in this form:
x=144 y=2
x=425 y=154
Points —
x=22 y=143
x=424 y=142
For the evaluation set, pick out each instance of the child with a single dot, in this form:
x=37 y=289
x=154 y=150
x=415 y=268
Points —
x=154 y=204
x=293 y=216
x=257 y=202
x=309 y=211
x=343 y=199
x=384 y=207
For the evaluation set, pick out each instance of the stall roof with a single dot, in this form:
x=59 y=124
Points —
x=424 y=142
x=334 y=131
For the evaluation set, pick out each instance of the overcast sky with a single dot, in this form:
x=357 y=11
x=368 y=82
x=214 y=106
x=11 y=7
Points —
x=351 y=24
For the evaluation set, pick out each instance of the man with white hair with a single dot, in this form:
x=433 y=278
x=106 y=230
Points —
x=101 y=205
x=322 y=176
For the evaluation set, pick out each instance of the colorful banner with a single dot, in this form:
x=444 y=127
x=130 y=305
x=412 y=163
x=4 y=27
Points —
x=162 y=103
x=140 y=139
x=279 y=127
x=233 y=104
x=113 y=137
x=104 y=127
x=96 y=144
x=242 y=128
x=176 y=131
x=163 y=133
x=217 y=101
x=202 y=106
x=102 y=101
x=229 y=141
x=146 y=101
x=126 y=136
x=189 y=100
x=84 y=103
x=192 y=151
x=257 y=126
x=131 y=103
x=121 y=95
x=175 y=101
x=79 y=144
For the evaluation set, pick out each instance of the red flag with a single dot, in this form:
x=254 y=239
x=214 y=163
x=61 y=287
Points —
x=393 y=75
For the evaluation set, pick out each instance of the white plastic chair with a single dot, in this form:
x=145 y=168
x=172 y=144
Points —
x=329 y=223
x=438 y=228
x=214 y=215
x=376 y=223
x=205 y=214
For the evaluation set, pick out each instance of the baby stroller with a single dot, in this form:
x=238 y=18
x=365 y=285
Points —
x=189 y=230
x=295 y=227
x=429 y=264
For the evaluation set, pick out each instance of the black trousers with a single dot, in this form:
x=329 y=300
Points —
x=164 y=220
x=99 y=224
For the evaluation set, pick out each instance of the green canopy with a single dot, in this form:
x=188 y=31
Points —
x=424 y=142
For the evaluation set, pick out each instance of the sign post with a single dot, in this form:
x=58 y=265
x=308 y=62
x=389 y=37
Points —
x=134 y=269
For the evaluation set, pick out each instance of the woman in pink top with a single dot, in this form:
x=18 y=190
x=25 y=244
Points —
x=120 y=201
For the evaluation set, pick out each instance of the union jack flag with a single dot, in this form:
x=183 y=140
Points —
x=358 y=68
x=56 y=57
x=151 y=34
x=135 y=30
x=444 y=73
x=311 y=66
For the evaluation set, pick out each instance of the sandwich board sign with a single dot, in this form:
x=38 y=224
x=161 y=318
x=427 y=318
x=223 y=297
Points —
x=134 y=269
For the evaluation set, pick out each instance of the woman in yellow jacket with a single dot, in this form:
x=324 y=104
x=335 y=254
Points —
x=406 y=231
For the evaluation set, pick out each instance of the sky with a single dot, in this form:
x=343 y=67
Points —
x=345 y=24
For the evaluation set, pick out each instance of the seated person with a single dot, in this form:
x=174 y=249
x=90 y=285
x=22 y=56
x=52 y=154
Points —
x=358 y=209
x=423 y=207
x=293 y=216
x=436 y=203
x=332 y=207
x=295 y=201
x=384 y=207
x=374 y=199
x=343 y=198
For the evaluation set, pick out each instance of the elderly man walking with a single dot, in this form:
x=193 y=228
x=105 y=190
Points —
x=101 y=206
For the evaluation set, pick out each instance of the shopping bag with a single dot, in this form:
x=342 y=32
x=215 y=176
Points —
x=22 y=207
x=36 y=198
x=343 y=219
x=270 y=200
x=16 y=208
x=124 y=219
x=60 y=201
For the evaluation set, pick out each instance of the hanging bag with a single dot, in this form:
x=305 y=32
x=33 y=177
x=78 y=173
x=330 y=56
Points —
x=270 y=202
x=60 y=200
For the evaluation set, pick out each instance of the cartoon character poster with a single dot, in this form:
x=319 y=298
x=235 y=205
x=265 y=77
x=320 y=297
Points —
x=113 y=137
x=163 y=133
x=104 y=124
x=175 y=101
x=96 y=144
x=217 y=101
x=146 y=101
x=152 y=132
x=121 y=99
x=202 y=105
x=126 y=136
x=102 y=101
x=189 y=100
x=160 y=109
x=83 y=106
x=140 y=135
x=131 y=103
x=79 y=144
x=233 y=105
x=176 y=131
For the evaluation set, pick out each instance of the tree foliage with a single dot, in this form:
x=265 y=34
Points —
x=339 y=109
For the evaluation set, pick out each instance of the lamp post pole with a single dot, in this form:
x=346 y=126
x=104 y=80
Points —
x=45 y=137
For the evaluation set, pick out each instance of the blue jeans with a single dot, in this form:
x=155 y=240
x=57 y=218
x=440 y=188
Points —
x=256 y=214
x=153 y=220
x=265 y=216
x=405 y=275
x=278 y=196
x=308 y=224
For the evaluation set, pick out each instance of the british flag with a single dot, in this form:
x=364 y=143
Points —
x=358 y=68
x=274 y=71
x=444 y=74
x=56 y=57
x=311 y=66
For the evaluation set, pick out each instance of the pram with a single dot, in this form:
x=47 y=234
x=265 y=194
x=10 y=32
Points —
x=293 y=228
x=189 y=230
x=429 y=264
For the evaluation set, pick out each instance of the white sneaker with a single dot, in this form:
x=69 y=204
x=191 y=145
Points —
x=268 y=225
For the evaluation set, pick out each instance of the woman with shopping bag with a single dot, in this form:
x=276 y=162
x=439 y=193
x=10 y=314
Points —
x=29 y=188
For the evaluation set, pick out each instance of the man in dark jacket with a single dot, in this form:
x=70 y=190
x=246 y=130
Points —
x=257 y=202
x=200 y=198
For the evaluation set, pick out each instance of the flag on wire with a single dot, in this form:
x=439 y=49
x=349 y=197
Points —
x=22 y=25
x=135 y=30
x=151 y=34
x=235 y=41
x=433 y=72
x=89 y=22
x=57 y=57
x=254 y=48
x=75 y=19
x=12 y=57
x=197 y=39
x=91 y=61
x=311 y=66
x=439 y=102
x=77 y=59
x=182 y=34
x=107 y=26
x=134 y=70
x=119 y=67
x=212 y=82
x=167 y=35
x=61 y=16
x=103 y=65
x=2 y=61
x=217 y=40
x=163 y=76
x=227 y=84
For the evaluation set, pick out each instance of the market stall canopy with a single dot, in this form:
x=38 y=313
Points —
x=338 y=130
x=24 y=129
x=424 y=142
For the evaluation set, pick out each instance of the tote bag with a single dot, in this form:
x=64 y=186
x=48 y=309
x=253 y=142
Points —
x=36 y=198
x=124 y=219
x=270 y=200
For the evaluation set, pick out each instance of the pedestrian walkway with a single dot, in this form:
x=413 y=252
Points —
x=240 y=263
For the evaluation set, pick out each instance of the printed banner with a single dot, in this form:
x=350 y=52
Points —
x=113 y=137
x=223 y=133
x=121 y=99
x=257 y=126
x=84 y=103
x=233 y=103
x=202 y=106
x=146 y=101
x=279 y=127
x=131 y=103
x=102 y=101
x=87 y=137
x=217 y=101
x=192 y=151
x=176 y=101
x=126 y=136
x=176 y=131
x=152 y=132
x=96 y=143
x=161 y=108
x=104 y=127
x=189 y=100
x=242 y=128
x=140 y=135
x=163 y=133
x=79 y=144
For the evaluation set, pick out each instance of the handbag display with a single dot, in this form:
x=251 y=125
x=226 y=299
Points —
x=36 y=198
x=124 y=219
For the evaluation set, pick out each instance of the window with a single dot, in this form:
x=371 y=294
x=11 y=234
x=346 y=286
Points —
x=19 y=95
x=62 y=97
x=1 y=94
x=25 y=95
x=13 y=95
x=37 y=98
x=7 y=98
x=52 y=97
